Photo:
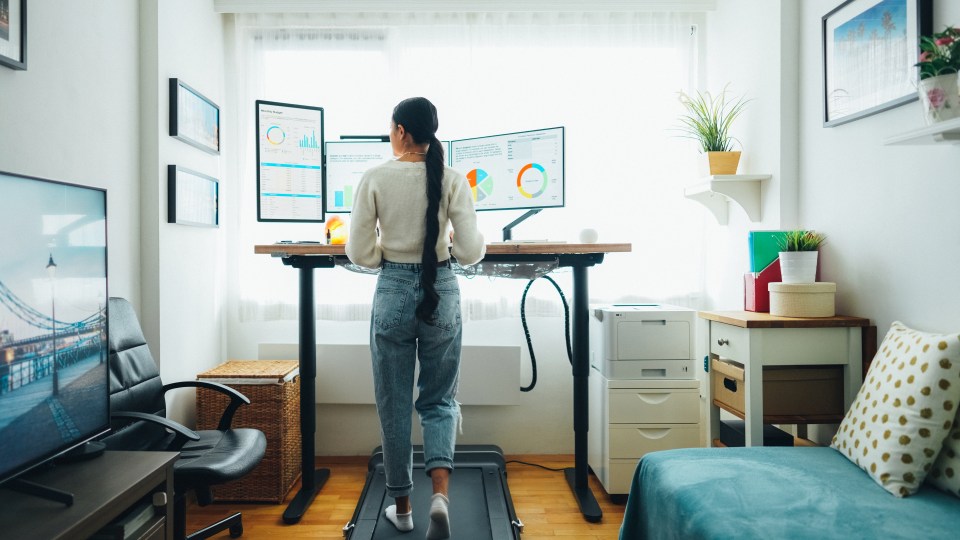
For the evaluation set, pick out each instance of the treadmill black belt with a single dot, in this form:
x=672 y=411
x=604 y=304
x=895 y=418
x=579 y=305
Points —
x=480 y=504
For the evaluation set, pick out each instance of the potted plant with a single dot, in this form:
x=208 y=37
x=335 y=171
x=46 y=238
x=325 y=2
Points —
x=939 y=64
x=707 y=120
x=798 y=255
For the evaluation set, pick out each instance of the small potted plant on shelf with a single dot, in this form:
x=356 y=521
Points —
x=707 y=120
x=939 y=64
x=798 y=255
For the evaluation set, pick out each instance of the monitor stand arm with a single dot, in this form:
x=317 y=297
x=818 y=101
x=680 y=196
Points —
x=514 y=223
x=37 y=490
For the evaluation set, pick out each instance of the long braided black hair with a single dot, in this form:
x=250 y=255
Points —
x=419 y=118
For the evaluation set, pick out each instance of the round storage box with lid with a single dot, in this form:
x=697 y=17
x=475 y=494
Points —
x=803 y=299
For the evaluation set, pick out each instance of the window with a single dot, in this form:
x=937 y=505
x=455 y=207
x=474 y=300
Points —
x=611 y=80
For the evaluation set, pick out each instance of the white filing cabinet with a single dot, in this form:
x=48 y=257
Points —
x=630 y=418
x=643 y=397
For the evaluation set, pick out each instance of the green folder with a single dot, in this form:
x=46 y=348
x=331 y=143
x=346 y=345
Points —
x=764 y=248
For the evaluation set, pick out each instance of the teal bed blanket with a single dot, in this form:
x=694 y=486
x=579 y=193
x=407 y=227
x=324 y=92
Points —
x=775 y=492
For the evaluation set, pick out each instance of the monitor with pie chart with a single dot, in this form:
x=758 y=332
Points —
x=513 y=171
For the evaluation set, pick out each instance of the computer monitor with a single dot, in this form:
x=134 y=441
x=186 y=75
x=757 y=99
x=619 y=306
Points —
x=290 y=173
x=346 y=162
x=513 y=171
x=54 y=381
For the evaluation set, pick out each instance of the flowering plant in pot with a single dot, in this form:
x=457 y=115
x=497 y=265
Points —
x=939 y=64
x=707 y=120
x=798 y=255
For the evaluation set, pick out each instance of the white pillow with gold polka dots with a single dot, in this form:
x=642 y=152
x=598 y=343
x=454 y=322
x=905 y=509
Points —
x=945 y=473
x=897 y=424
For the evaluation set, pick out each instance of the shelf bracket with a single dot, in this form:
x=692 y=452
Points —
x=717 y=191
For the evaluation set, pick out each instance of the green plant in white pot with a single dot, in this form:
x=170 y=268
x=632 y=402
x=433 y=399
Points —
x=707 y=120
x=799 y=251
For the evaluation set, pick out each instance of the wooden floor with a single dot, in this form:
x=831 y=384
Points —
x=543 y=502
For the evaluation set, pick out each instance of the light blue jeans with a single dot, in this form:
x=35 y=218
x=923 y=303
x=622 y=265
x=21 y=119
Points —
x=397 y=340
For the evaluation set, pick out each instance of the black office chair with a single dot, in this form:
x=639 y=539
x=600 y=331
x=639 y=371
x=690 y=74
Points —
x=138 y=414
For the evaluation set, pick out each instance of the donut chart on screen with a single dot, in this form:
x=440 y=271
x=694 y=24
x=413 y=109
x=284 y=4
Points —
x=275 y=135
x=493 y=164
x=532 y=175
x=481 y=184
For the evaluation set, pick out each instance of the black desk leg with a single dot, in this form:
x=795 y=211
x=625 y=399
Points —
x=577 y=476
x=312 y=479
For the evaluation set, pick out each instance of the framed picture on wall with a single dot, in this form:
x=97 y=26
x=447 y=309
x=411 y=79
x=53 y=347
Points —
x=192 y=198
x=194 y=119
x=870 y=49
x=13 y=33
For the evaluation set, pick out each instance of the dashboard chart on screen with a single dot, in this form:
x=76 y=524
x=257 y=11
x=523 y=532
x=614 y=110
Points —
x=522 y=170
x=347 y=160
x=290 y=173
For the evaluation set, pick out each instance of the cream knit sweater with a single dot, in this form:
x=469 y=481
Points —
x=392 y=196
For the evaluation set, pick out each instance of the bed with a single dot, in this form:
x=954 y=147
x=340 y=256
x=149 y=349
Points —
x=775 y=492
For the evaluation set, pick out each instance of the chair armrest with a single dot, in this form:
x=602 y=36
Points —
x=182 y=433
x=236 y=398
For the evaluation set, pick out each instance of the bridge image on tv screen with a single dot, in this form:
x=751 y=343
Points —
x=53 y=332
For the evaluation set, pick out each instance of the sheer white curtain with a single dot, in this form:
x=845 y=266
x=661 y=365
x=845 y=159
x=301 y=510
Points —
x=610 y=79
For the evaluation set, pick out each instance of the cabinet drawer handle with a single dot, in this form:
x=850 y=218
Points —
x=723 y=341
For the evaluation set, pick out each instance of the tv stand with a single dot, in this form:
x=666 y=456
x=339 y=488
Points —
x=507 y=230
x=104 y=489
x=88 y=450
x=38 y=490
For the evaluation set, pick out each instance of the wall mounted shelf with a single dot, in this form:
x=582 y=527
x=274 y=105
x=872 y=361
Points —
x=716 y=191
x=947 y=131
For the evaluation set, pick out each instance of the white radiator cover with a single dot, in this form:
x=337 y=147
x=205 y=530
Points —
x=489 y=374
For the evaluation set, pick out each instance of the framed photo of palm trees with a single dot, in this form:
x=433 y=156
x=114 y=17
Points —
x=870 y=49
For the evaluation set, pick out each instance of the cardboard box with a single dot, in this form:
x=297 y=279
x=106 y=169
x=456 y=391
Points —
x=734 y=433
x=802 y=391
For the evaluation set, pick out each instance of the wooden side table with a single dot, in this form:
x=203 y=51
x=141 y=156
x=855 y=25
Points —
x=756 y=340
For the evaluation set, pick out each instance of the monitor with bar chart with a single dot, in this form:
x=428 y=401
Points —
x=346 y=161
x=513 y=171
x=290 y=173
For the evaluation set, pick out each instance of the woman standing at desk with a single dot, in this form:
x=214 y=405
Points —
x=416 y=308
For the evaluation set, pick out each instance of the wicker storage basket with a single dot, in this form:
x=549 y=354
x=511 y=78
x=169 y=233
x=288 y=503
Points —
x=273 y=387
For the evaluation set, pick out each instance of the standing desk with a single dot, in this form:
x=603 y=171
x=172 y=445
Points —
x=579 y=257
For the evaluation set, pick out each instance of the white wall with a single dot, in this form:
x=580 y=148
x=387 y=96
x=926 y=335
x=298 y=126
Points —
x=751 y=45
x=183 y=266
x=891 y=212
x=72 y=115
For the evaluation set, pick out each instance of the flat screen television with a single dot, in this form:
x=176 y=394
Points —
x=54 y=381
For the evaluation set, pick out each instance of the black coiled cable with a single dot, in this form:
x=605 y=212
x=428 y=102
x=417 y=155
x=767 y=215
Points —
x=526 y=330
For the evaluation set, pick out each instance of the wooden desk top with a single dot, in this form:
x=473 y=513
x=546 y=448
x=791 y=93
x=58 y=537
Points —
x=519 y=248
x=753 y=319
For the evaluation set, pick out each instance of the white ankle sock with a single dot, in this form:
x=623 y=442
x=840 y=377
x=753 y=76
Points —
x=403 y=522
x=439 y=518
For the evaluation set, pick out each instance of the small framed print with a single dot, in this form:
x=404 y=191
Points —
x=192 y=198
x=194 y=119
x=13 y=33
